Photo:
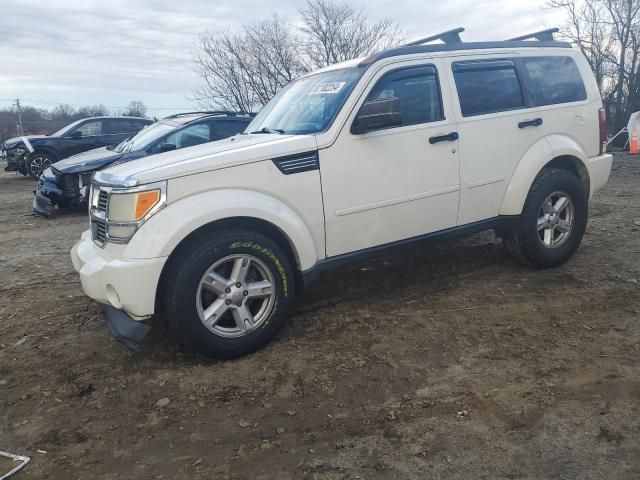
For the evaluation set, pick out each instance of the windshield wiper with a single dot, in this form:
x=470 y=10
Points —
x=269 y=130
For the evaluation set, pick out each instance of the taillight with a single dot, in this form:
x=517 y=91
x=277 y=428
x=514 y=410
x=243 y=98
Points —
x=604 y=130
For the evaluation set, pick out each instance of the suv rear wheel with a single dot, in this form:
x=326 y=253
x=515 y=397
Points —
x=552 y=222
x=37 y=163
x=229 y=295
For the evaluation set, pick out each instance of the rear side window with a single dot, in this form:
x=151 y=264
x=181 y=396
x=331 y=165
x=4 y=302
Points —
x=487 y=86
x=418 y=92
x=554 y=80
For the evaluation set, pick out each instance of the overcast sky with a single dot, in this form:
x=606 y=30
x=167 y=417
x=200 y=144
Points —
x=111 y=52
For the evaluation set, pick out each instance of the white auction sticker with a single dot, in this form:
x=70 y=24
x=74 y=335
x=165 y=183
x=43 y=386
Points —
x=328 y=88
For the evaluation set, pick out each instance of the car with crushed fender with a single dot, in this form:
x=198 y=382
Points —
x=32 y=154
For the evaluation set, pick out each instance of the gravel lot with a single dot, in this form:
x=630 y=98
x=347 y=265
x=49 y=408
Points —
x=451 y=362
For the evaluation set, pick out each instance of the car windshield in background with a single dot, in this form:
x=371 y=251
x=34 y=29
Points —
x=308 y=105
x=145 y=137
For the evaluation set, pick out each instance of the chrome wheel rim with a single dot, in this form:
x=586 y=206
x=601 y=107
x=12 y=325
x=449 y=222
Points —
x=236 y=295
x=37 y=165
x=555 y=220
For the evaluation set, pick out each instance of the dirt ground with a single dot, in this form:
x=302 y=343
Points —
x=447 y=362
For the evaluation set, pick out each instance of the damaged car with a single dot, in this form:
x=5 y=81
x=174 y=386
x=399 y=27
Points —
x=32 y=154
x=65 y=184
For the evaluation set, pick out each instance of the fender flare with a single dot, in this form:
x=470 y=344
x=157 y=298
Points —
x=541 y=153
x=164 y=231
x=44 y=149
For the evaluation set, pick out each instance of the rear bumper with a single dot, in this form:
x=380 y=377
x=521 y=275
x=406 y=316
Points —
x=125 y=284
x=599 y=170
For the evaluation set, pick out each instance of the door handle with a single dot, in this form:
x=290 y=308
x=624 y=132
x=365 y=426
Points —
x=451 y=137
x=530 y=123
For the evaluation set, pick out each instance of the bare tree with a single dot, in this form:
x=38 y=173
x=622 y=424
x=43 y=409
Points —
x=242 y=69
x=136 y=109
x=337 y=32
x=92 y=111
x=608 y=34
x=63 y=112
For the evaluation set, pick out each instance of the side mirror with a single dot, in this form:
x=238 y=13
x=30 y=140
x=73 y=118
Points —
x=167 y=147
x=75 y=134
x=377 y=114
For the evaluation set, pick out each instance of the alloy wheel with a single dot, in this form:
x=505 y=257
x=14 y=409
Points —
x=235 y=296
x=555 y=219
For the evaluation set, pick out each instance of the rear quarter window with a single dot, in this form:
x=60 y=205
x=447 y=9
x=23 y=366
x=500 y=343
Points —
x=487 y=86
x=554 y=80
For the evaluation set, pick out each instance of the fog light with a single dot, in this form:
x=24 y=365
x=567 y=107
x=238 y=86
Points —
x=121 y=231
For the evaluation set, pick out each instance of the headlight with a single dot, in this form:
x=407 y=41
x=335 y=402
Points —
x=117 y=213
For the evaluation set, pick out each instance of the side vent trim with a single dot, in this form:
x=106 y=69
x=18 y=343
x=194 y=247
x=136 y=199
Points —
x=298 y=163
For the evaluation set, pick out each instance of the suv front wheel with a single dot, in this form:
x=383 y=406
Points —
x=37 y=163
x=553 y=220
x=228 y=294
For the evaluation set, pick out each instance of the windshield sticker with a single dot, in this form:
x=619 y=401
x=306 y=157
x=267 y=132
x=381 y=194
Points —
x=329 y=88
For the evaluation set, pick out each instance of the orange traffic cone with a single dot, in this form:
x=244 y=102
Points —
x=633 y=144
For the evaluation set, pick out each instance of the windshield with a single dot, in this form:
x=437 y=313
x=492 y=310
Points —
x=145 y=137
x=308 y=105
x=67 y=128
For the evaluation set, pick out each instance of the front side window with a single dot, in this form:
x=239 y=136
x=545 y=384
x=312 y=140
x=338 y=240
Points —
x=487 y=86
x=416 y=92
x=187 y=137
x=554 y=80
x=90 y=128
x=307 y=105
x=227 y=128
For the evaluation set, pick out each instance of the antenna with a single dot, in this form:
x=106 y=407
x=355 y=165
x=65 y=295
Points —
x=450 y=36
x=541 y=36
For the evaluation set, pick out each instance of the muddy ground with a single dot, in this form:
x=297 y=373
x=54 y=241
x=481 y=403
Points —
x=447 y=362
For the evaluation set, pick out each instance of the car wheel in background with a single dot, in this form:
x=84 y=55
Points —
x=37 y=163
x=228 y=294
x=553 y=220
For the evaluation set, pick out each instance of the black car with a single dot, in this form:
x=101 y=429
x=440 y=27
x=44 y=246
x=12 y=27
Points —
x=65 y=184
x=31 y=155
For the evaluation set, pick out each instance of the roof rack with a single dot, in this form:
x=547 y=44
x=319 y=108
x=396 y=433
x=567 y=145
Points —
x=450 y=36
x=541 y=36
x=452 y=42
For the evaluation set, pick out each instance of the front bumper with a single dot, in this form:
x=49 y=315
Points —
x=127 y=284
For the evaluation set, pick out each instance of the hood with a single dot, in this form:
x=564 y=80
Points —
x=12 y=142
x=88 y=161
x=229 y=152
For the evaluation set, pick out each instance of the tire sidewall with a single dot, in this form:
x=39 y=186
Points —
x=535 y=251
x=185 y=287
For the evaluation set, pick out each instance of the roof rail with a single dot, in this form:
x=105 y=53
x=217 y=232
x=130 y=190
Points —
x=207 y=112
x=450 y=36
x=541 y=36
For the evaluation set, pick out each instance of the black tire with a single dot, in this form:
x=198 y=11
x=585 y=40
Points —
x=38 y=162
x=182 y=278
x=525 y=243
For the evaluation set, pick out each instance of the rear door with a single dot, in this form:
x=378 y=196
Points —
x=115 y=130
x=503 y=112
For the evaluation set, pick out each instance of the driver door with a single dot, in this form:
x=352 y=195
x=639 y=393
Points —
x=398 y=182
x=86 y=136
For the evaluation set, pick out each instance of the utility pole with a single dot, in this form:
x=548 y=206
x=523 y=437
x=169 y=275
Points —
x=20 y=128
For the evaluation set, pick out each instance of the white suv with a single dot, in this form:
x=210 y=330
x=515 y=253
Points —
x=416 y=143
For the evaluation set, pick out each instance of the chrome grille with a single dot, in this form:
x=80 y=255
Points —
x=103 y=201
